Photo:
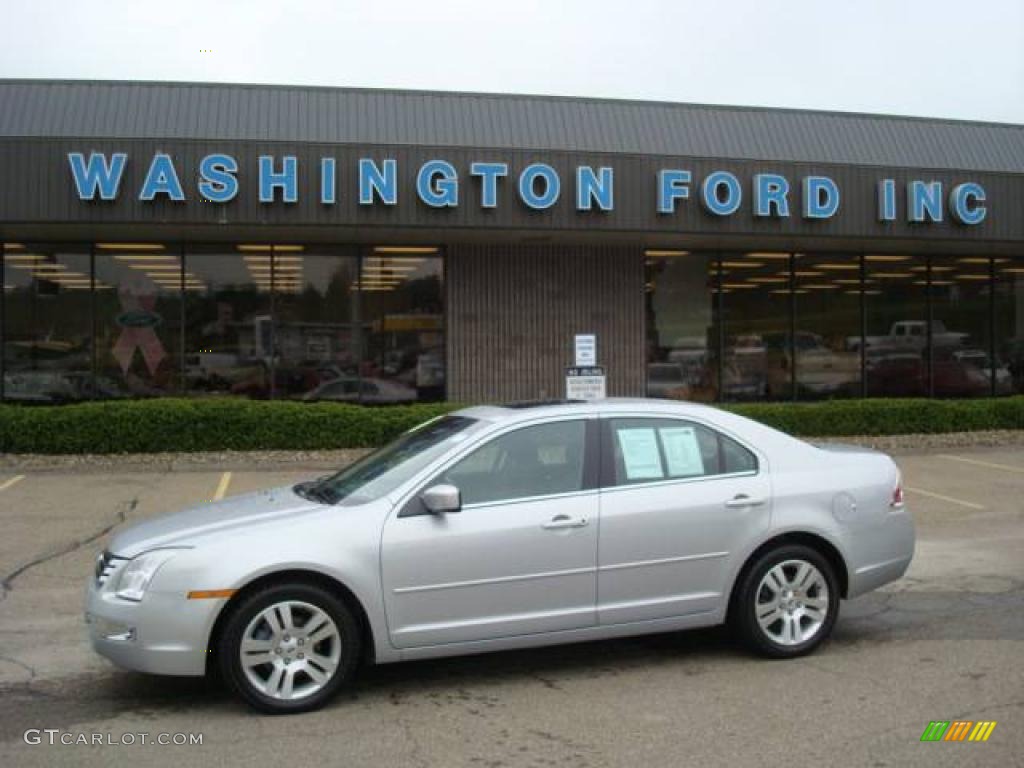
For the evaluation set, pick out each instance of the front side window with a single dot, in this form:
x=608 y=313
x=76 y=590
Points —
x=649 y=450
x=533 y=461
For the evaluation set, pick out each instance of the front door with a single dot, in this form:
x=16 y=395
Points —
x=521 y=555
x=679 y=500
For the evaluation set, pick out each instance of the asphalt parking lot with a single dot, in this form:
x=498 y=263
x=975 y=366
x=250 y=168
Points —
x=945 y=643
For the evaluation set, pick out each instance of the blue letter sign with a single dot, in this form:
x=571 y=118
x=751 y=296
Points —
x=924 y=201
x=375 y=182
x=285 y=180
x=770 y=191
x=594 y=188
x=489 y=174
x=672 y=185
x=327 y=184
x=710 y=193
x=97 y=175
x=437 y=184
x=887 y=200
x=527 y=189
x=821 y=197
x=965 y=203
x=161 y=179
x=217 y=178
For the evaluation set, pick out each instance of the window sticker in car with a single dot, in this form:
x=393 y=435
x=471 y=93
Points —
x=682 y=452
x=640 y=454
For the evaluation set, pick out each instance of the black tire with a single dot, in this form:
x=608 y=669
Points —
x=744 y=610
x=247 y=611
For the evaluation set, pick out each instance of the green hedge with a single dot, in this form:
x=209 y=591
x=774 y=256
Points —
x=836 y=418
x=150 y=426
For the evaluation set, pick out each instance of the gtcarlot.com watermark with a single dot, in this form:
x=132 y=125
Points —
x=57 y=737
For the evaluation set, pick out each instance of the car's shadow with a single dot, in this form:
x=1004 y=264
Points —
x=869 y=621
x=549 y=666
x=109 y=694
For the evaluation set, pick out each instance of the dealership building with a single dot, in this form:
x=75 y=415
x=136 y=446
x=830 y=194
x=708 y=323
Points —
x=390 y=246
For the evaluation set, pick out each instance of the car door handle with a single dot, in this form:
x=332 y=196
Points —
x=742 y=501
x=564 y=521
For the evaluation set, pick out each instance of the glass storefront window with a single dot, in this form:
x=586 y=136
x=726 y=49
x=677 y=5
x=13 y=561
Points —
x=315 y=322
x=756 y=315
x=682 y=335
x=1009 y=325
x=47 y=343
x=827 y=338
x=896 y=307
x=402 y=322
x=138 y=319
x=961 y=338
x=349 y=324
x=228 y=333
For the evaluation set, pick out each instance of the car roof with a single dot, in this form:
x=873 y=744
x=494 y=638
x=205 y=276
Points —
x=531 y=410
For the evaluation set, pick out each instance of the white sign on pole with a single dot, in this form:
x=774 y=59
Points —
x=587 y=383
x=586 y=349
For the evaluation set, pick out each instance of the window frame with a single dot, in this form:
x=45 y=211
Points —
x=607 y=480
x=413 y=507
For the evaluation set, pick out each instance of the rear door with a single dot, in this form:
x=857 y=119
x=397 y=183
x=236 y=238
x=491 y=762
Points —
x=678 y=499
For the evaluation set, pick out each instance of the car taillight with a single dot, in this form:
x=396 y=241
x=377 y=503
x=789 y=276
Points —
x=897 y=495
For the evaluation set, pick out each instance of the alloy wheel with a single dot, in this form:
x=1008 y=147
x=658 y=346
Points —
x=290 y=650
x=792 y=602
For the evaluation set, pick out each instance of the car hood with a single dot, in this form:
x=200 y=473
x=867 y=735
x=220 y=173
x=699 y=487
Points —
x=185 y=527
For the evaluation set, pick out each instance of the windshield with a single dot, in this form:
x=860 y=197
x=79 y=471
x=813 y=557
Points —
x=385 y=469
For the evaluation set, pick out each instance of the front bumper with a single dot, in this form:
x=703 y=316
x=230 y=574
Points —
x=164 y=634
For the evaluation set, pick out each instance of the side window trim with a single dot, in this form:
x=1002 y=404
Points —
x=592 y=455
x=607 y=479
x=678 y=481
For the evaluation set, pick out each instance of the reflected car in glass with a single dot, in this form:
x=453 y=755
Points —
x=368 y=391
x=501 y=527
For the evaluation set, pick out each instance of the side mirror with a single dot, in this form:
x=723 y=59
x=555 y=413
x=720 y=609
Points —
x=441 y=499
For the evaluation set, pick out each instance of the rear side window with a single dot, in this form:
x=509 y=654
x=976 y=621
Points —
x=649 y=450
x=736 y=458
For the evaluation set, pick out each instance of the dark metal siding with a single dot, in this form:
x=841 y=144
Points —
x=36 y=187
x=53 y=109
x=513 y=312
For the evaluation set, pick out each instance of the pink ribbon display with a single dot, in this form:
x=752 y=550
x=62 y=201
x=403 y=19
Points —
x=141 y=337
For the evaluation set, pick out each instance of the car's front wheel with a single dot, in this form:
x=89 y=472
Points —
x=289 y=648
x=787 y=602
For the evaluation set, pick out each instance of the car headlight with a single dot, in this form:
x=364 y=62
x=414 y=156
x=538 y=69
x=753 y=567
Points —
x=135 y=576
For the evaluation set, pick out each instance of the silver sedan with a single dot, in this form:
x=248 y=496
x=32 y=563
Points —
x=506 y=527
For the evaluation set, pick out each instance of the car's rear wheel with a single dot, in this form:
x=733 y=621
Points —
x=289 y=648
x=787 y=602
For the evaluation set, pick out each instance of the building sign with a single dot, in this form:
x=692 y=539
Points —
x=585 y=346
x=537 y=186
x=585 y=383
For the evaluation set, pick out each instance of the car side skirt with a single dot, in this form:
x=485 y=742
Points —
x=603 y=632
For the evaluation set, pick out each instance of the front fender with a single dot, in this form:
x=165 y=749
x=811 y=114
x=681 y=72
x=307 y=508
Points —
x=334 y=548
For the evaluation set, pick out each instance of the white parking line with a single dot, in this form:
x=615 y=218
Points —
x=222 y=486
x=977 y=462
x=940 y=497
x=11 y=481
